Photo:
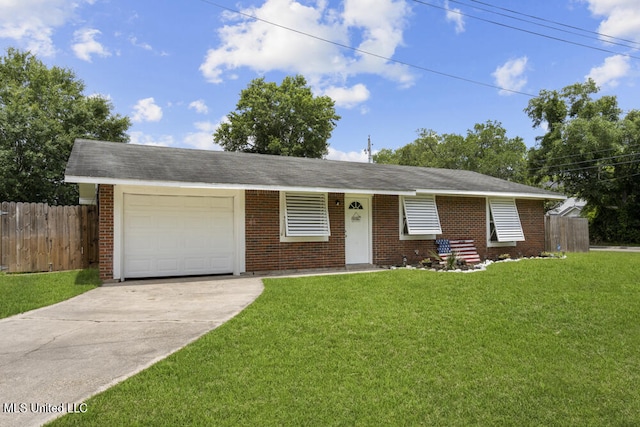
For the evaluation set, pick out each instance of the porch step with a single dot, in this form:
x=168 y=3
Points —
x=464 y=249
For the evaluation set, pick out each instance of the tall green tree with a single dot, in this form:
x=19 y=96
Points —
x=591 y=152
x=285 y=120
x=485 y=149
x=42 y=111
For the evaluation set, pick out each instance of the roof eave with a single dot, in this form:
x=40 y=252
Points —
x=515 y=195
x=226 y=186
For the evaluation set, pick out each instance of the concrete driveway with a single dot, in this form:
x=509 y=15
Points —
x=54 y=358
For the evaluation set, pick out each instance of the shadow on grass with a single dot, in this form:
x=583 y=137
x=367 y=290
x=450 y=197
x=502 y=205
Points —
x=88 y=276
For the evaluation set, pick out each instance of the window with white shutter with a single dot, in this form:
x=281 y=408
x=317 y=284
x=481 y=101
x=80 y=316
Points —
x=306 y=215
x=419 y=218
x=504 y=222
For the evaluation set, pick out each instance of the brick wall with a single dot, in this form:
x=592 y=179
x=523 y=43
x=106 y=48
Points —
x=464 y=218
x=388 y=249
x=105 y=231
x=265 y=252
x=532 y=220
x=460 y=218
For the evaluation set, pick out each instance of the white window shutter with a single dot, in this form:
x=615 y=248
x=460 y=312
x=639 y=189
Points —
x=306 y=214
x=421 y=214
x=506 y=220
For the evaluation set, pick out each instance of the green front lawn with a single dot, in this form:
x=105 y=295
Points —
x=536 y=342
x=24 y=292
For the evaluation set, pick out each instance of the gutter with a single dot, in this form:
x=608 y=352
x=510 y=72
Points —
x=227 y=186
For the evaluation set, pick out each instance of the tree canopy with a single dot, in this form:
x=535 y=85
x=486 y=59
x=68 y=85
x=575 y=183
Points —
x=485 y=149
x=283 y=120
x=42 y=111
x=592 y=153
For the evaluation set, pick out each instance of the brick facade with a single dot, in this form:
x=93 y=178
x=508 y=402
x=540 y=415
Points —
x=388 y=249
x=105 y=231
x=265 y=252
x=460 y=218
x=532 y=219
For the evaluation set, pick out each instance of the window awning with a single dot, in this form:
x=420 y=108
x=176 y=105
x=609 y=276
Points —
x=506 y=220
x=306 y=214
x=421 y=214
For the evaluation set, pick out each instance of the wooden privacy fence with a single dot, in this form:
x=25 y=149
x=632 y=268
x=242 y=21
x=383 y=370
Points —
x=571 y=233
x=38 y=237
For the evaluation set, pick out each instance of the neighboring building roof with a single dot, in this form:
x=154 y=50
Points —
x=102 y=162
x=570 y=207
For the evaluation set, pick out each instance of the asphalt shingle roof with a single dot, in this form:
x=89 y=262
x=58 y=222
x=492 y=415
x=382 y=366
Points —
x=99 y=161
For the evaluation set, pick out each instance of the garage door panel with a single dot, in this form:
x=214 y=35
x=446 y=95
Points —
x=168 y=242
x=197 y=263
x=199 y=243
x=141 y=221
x=136 y=266
x=172 y=236
x=223 y=262
x=167 y=266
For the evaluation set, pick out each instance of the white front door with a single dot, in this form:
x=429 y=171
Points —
x=357 y=231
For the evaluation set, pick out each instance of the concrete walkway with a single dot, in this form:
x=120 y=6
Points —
x=54 y=358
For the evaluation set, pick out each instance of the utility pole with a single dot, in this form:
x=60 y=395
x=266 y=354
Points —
x=368 y=149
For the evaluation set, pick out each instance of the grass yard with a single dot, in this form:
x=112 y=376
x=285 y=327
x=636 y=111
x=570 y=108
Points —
x=24 y=292
x=536 y=342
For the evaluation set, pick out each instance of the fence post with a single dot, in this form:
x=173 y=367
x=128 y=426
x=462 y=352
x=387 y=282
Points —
x=4 y=214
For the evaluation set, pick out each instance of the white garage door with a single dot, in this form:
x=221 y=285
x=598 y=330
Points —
x=177 y=236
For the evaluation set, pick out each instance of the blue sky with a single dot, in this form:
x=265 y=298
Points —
x=392 y=66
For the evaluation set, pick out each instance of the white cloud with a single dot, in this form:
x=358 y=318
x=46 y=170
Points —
x=142 y=45
x=351 y=156
x=146 y=110
x=260 y=46
x=348 y=97
x=510 y=75
x=86 y=45
x=31 y=23
x=613 y=68
x=142 y=138
x=200 y=106
x=621 y=17
x=454 y=15
x=203 y=137
x=381 y=24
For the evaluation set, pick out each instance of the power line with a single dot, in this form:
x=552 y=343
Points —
x=525 y=31
x=364 y=52
x=551 y=26
x=591 y=161
x=552 y=22
x=596 y=151
x=620 y=177
x=584 y=168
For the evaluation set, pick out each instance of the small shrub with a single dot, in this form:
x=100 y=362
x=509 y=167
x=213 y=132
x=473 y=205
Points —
x=451 y=261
